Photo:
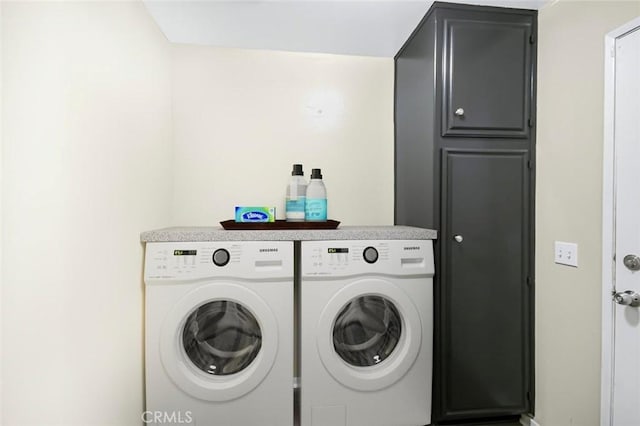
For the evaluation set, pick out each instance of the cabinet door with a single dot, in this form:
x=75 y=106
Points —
x=485 y=323
x=487 y=75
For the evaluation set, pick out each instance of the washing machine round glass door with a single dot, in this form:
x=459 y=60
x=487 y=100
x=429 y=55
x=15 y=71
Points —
x=369 y=334
x=367 y=330
x=221 y=337
x=219 y=341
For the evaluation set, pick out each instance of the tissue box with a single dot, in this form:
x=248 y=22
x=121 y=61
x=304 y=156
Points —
x=255 y=214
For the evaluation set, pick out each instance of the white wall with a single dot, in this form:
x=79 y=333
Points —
x=86 y=168
x=569 y=206
x=243 y=117
x=90 y=148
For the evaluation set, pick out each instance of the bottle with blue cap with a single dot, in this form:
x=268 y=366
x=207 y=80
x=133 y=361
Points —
x=316 y=203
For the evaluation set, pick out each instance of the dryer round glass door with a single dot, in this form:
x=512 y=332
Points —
x=369 y=334
x=219 y=342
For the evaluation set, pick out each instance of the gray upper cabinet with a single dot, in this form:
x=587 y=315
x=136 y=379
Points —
x=487 y=75
x=465 y=165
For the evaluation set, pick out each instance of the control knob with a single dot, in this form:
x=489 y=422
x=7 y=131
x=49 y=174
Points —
x=221 y=257
x=370 y=255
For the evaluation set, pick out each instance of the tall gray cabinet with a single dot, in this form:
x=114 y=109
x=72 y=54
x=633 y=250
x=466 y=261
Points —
x=464 y=165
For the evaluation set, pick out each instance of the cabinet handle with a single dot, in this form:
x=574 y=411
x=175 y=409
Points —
x=458 y=238
x=459 y=112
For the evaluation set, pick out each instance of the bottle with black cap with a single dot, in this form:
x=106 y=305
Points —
x=296 y=195
x=316 y=205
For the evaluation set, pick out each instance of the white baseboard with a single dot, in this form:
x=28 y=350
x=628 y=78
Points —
x=528 y=421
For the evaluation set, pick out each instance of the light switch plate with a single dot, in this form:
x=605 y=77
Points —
x=566 y=253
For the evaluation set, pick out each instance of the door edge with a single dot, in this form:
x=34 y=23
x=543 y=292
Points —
x=608 y=221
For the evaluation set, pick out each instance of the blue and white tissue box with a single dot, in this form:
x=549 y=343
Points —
x=255 y=214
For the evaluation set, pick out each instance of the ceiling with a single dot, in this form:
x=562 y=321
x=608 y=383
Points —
x=363 y=28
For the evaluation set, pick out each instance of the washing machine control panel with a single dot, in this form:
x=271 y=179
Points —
x=198 y=260
x=352 y=257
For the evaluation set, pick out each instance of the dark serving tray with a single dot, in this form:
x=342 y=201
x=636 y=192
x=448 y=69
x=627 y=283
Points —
x=232 y=225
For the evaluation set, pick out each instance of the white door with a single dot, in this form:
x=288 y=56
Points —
x=625 y=400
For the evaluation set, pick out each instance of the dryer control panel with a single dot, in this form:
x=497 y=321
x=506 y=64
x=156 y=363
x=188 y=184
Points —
x=352 y=257
x=168 y=261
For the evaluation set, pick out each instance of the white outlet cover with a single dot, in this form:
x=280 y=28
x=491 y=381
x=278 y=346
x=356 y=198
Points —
x=566 y=253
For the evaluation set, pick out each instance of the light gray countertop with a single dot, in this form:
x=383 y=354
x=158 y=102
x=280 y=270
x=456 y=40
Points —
x=342 y=233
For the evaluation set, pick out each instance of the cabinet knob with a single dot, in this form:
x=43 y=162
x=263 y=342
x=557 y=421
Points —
x=458 y=238
x=459 y=112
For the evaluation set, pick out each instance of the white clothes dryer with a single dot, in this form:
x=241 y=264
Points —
x=366 y=333
x=219 y=333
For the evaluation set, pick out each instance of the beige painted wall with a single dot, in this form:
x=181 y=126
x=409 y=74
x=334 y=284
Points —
x=569 y=205
x=92 y=93
x=86 y=167
x=243 y=117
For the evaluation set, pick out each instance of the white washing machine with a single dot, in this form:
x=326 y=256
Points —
x=219 y=333
x=366 y=333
